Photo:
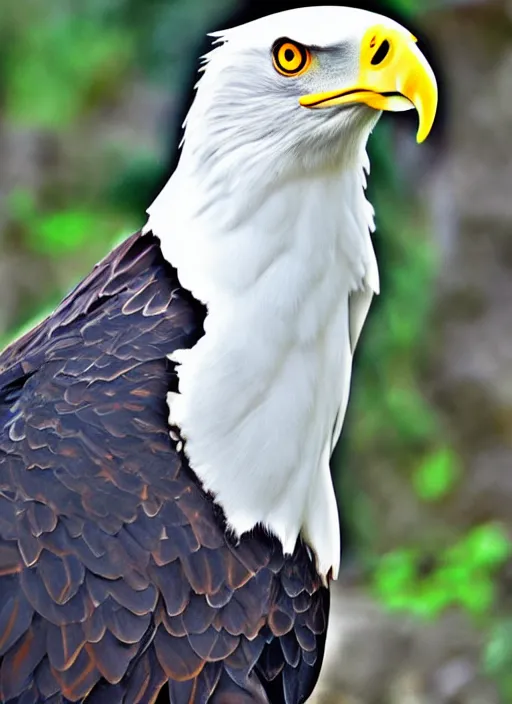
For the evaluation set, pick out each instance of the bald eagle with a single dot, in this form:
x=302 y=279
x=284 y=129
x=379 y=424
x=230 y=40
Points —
x=168 y=525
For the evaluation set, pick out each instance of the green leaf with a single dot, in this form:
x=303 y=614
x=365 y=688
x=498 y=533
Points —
x=437 y=474
x=498 y=650
x=396 y=571
x=489 y=545
x=407 y=412
x=452 y=577
x=477 y=595
x=430 y=603
x=64 y=231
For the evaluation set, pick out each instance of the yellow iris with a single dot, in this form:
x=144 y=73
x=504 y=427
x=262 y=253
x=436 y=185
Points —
x=291 y=59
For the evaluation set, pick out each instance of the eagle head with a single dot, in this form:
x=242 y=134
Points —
x=302 y=89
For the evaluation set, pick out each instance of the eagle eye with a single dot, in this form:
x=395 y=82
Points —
x=290 y=58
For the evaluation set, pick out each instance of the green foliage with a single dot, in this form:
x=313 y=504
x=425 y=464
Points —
x=436 y=474
x=409 y=8
x=488 y=545
x=70 y=234
x=61 y=65
x=58 y=233
x=497 y=657
x=461 y=575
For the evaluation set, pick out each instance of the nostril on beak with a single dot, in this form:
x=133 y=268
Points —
x=381 y=53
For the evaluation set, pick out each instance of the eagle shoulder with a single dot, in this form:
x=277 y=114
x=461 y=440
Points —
x=116 y=573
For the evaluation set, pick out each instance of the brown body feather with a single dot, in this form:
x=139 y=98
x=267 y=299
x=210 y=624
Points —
x=118 y=581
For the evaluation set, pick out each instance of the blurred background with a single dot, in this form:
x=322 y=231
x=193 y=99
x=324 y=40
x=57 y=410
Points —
x=92 y=95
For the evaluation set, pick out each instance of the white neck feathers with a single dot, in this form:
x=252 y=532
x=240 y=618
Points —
x=261 y=391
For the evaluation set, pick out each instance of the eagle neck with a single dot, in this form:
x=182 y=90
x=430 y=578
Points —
x=260 y=392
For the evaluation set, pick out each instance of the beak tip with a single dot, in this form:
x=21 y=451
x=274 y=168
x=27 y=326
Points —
x=424 y=128
x=426 y=116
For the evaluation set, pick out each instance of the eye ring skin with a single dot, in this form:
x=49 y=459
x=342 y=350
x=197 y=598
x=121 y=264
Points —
x=290 y=58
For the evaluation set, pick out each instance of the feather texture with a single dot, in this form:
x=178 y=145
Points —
x=117 y=578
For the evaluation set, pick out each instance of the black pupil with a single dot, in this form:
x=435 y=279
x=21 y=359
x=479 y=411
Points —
x=289 y=55
x=381 y=53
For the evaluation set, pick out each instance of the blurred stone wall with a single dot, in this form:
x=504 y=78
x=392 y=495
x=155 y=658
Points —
x=373 y=658
x=471 y=197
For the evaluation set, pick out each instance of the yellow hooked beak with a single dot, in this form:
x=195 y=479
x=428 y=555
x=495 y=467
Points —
x=394 y=75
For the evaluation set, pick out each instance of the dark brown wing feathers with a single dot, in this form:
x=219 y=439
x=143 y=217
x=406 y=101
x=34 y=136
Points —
x=117 y=580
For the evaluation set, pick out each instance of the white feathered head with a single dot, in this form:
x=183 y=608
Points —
x=305 y=87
